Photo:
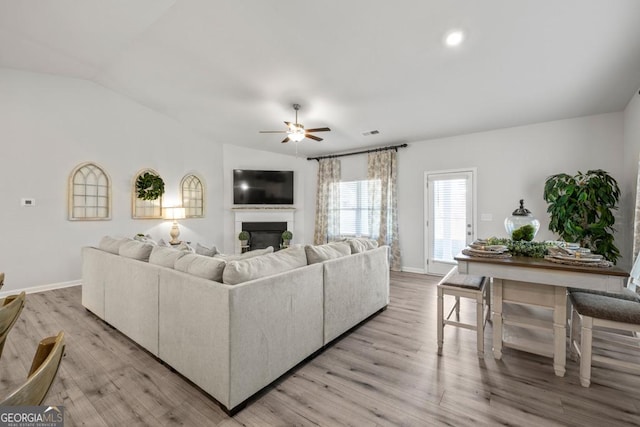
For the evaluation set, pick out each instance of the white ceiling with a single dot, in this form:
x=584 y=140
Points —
x=228 y=69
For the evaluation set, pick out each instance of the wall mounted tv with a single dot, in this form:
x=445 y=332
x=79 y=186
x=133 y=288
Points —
x=256 y=187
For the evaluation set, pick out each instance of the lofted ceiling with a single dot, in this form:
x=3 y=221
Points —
x=228 y=69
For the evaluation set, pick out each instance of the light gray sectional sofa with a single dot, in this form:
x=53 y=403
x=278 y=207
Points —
x=232 y=339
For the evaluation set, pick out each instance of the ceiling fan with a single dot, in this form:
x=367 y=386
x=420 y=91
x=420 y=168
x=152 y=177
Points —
x=296 y=131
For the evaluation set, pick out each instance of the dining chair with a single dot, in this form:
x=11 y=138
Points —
x=41 y=375
x=10 y=309
x=465 y=286
x=612 y=317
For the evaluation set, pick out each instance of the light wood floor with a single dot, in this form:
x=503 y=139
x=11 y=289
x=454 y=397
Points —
x=385 y=373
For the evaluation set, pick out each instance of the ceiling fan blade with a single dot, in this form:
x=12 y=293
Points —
x=314 y=137
x=286 y=140
x=273 y=131
x=319 y=130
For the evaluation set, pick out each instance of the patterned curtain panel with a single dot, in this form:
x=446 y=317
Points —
x=636 y=224
x=327 y=202
x=383 y=201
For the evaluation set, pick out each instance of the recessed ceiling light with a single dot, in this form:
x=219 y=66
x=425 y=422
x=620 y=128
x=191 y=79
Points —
x=454 y=38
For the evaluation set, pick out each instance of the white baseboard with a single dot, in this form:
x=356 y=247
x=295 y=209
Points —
x=413 y=270
x=41 y=288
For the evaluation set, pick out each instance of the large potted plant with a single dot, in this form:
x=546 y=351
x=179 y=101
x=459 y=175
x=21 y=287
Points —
x=581 y=209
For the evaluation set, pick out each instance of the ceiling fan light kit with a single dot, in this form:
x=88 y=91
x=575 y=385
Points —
x=296 y=131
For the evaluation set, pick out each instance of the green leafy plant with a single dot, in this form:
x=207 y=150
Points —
x=287 y=235
x=522 y=247
x=149 y=186
x=526 y=232
x=244 y=235
x=581 y=209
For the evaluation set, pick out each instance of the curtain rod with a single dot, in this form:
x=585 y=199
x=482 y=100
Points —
x=373 y=150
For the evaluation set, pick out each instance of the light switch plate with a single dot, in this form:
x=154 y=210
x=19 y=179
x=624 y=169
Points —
x=486 y=217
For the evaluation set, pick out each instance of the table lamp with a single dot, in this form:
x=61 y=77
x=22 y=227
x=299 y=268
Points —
x=174 y=213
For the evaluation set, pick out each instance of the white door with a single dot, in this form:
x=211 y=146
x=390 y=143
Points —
x=449 y=217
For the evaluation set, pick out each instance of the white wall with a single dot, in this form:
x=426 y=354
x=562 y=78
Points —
x=48 y=125
x=236 y=157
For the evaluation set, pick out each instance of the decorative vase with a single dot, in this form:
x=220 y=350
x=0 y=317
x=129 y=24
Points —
x=518 y=219
x=243 y=242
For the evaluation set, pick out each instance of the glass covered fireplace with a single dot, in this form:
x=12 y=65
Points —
x=264 y=234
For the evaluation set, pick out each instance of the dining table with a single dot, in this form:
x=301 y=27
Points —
x=529 y=300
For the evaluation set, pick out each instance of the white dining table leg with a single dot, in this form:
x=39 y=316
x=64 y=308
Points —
x=496 y=308
x=560 y=331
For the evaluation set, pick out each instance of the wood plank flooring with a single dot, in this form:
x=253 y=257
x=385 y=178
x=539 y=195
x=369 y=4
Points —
x=384 y=373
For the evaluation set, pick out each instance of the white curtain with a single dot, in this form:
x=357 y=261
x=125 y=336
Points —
x=636 y=222
x=327 y=202
x=381 y=172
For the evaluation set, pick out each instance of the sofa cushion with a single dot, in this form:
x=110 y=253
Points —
x=164 y=256
x=206 y=251
x=361 y=244
x=320 y=253
x=243 y=270
x=136 y=250
x=202 y=266
x=112 y=244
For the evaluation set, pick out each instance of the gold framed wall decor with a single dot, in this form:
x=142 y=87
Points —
x=192 y=195
x=89 y=193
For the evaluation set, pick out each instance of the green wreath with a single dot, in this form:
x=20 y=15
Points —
x=149 y=186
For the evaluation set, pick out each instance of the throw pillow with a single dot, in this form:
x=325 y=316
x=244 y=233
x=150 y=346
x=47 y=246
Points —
x=362 y=244
x=184 y=246
x=202 y=266
x=136 y=250
x=243 y=270
x=161 y=242
x=111 y=244
x=203 y=250
x=166 y=257
x=249 y=254
x=320 y=253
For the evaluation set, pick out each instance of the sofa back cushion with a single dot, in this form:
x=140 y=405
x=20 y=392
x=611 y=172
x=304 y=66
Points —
x=320 y=253
x=165 y=256
x=361 y=244
x=202 y=266
x=112 y=244
x=243 y=270
x=136 y=250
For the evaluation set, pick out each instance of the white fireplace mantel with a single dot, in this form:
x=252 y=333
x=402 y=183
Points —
x=260 y=215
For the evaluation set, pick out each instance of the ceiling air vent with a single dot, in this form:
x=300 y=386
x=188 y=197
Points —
x=371 y=132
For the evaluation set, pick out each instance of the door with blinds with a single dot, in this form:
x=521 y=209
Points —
x=449 y=217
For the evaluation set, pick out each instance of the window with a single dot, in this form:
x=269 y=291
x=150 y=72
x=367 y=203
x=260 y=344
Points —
x=355 y=209
x=192 y=196
x=89 y=193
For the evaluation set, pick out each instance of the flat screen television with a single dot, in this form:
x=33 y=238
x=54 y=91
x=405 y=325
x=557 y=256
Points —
x=258 y=187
